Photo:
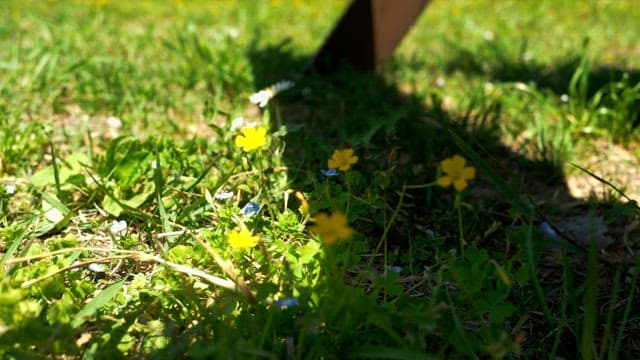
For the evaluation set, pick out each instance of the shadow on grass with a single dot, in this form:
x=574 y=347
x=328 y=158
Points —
x=401 y=138
x=397 y=133
x=496 y=61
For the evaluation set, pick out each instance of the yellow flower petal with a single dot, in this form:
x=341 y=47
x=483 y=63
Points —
x=342 y=159
x=331 y=228
x=304 y=205
x=448 y=166
x=444 y=181
x=460 y=184
x=456 y=172
x=468 y=173
x=251 y=138
x=242 y=239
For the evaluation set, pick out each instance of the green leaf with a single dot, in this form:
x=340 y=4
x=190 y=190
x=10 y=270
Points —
x=72 y=166
x=96 y=303
x=115 y=208
x=54 y=210
x=385 y=352
x=499 y=312
x=308 y=251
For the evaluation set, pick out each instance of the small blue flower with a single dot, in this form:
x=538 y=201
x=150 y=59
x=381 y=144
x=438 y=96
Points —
x=329 y=172
x=250 y=208
x=287 y=302
x=546 y=229
x=395 y=269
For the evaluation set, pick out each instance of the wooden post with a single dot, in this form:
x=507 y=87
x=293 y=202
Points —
x=367 y=34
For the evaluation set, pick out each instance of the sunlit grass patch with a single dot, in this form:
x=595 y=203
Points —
x=171 y=186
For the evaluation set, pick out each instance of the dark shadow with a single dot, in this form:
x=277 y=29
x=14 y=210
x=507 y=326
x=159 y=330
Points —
x=401 y=138
x=498 y=63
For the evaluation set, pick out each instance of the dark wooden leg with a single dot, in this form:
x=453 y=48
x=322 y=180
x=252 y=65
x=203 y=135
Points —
x=367 y=34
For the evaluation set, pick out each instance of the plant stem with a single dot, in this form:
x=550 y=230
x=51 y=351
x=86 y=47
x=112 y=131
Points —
x=461 y=233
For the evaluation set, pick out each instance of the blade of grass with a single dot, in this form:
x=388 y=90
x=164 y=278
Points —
x=513 y=197
x=56 y=171
x=615 y=350
x=159 y=188
x=602 y=181
x=458 y=326
x=587 y=339
x=533 y=272
x=21 y=235
x=96 y=303
x=385 y=352
x=615 y=291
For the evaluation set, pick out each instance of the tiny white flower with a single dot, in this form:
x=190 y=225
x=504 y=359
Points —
x=74 y=264
x=114 y=122
x=440 y=82
x=488 y=88
x=96 y=268
x=154 y=164
x=237 y=123
x=232 y=32
x=488 y=35
x=262 y=97
x=224 y=195
x=118 y=226
x=10 y=188
x=522 y=86
x=528 y=56
x=564 y=98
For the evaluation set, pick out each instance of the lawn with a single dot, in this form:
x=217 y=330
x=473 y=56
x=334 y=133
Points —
x=172 y=185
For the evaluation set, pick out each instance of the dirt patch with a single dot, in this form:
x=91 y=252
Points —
x=613 y=163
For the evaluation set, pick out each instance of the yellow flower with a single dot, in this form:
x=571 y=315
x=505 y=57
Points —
x=242 y=239
x=304 y=205
x=342 y=159
x=456 y=173
x=252 y=138
x=331 y=227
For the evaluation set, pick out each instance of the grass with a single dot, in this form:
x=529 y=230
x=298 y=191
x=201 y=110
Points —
x=134 y=223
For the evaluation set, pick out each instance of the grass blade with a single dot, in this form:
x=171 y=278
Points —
x=515 y=199
x=587 y=340
x=96 y=303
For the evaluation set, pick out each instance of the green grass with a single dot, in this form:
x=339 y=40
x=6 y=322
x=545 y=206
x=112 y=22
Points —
x=121 y=114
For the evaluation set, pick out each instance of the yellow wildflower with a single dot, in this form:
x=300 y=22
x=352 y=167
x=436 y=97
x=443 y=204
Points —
x=252 y=138
x=456 y=173
x=242 y=239
x=304 y=205
x=331 y=227
x=342 y=159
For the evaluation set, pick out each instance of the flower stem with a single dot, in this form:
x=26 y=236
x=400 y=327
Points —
x=347 y=184
x=387 y=227
x=457 y=202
